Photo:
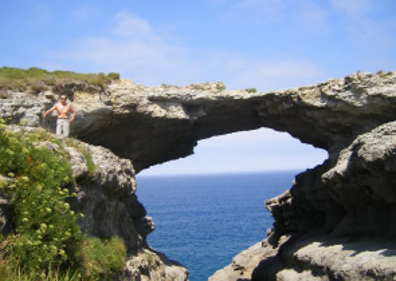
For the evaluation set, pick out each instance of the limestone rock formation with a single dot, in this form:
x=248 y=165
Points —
x=329 y=225
x=106 y=197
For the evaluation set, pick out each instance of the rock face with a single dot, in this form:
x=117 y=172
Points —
x=106 y=197
x=337 y=220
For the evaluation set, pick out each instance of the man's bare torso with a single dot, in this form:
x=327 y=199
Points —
x=63 y=110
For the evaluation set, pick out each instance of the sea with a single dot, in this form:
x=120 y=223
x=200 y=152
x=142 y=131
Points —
x=203 y=221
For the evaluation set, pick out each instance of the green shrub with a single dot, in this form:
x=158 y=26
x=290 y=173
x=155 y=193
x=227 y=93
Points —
x=220 y=87
x=90 y=164
x=150 y=258
x=251 y=90
x=46 y=233
x=102 y=257
x=114 y=76
x=38 y=80
x=46 y=242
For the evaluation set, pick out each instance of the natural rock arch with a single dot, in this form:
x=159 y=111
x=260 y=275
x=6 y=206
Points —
x=352 y=193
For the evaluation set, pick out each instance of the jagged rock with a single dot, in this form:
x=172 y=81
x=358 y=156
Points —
x=244 y=263
x=350 y=196
x=106 y=197
x=353 y=199
x=151 y=125
x=339 y=259
x=363 y=182
x=150 y=265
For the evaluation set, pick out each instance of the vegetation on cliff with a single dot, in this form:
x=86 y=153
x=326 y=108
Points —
x=35 y=80
x=44 y=239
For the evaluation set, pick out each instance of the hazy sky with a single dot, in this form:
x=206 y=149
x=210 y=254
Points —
x=266 y=44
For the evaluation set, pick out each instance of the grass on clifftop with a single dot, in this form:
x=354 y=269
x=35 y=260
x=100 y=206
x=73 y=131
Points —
x=36 y=79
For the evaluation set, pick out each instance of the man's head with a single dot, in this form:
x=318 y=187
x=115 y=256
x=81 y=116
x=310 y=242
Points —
x=63 y=98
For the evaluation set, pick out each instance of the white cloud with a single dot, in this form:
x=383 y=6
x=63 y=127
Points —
x=138 y=51
x=131 y=26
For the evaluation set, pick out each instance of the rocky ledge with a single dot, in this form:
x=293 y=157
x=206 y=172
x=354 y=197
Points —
x=337 y=220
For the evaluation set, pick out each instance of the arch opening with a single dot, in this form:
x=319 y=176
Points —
x=208 y=207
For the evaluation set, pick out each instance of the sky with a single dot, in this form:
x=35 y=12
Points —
x=263 y=44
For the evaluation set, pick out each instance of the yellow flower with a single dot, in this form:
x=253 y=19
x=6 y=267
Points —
x=48 y=210
x=10 y=152
x=25 y=220
x=11 y=175
x=25 y=179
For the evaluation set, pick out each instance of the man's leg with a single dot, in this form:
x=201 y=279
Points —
x=59 y=127
x=66 y=128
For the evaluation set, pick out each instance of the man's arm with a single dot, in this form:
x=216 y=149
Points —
x=49 y=111
x=73 y=114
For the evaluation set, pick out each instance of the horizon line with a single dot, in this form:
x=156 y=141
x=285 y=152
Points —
x=223 y=173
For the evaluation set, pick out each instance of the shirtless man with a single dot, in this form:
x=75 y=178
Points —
x=63 y=123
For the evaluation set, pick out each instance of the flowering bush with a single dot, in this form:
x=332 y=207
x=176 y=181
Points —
x=45 y=230
x=46 y=242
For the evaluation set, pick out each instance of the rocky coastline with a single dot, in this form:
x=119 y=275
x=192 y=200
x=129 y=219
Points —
x=335 y=223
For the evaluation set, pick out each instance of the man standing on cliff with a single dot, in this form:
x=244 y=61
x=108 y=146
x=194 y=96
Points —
x=63 y=123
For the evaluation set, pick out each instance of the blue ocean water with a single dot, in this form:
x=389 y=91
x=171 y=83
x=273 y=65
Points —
x=203 y=221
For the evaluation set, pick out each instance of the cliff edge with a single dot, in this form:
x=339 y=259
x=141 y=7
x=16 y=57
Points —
x=336 y=221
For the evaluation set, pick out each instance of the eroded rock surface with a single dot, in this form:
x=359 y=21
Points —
x=151 y=125
x=348 y=201
x=106 y=196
